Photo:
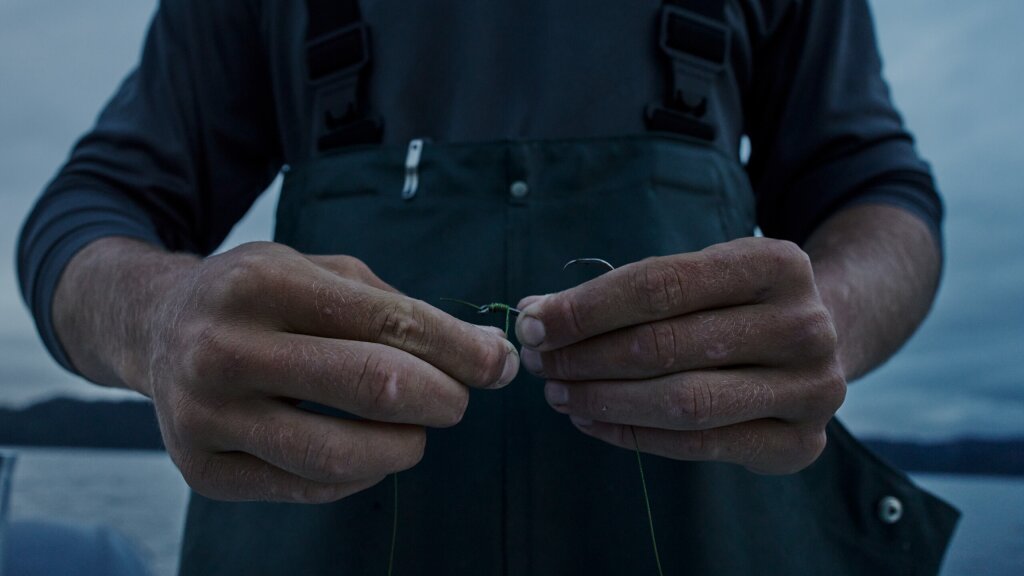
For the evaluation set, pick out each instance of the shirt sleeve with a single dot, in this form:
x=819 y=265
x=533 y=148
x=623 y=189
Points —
x=823 y=129
x=176 y=158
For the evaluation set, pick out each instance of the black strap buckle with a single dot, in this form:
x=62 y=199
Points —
x=337 y=54
x=694 y=40
x=335 y=61
x=661 y=119
x=698 y=49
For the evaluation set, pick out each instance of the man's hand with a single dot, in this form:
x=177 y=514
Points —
x=227 y=346
x=727 y=354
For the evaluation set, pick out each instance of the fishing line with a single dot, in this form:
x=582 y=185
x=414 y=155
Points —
x=492 y=307
x=632 y=430
x=498 y=307
x=394 y=526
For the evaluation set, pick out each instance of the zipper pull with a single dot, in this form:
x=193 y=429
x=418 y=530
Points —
x=412 y=166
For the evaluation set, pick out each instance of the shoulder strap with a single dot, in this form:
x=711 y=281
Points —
x=695 y=39
x=337 y=58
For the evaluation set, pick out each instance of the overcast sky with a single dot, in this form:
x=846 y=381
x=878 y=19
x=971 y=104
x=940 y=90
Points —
x=957 y=71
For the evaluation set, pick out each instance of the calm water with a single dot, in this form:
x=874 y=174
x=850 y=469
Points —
x=990 y=538
x=141 y=494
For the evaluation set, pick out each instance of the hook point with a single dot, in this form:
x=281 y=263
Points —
x=589 y=261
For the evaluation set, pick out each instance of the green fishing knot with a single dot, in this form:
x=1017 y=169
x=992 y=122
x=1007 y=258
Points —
x=489 y=309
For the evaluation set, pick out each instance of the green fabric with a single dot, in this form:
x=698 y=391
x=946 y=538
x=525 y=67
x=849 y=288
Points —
x=514 y=488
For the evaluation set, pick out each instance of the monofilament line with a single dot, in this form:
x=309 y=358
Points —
x=647 y=501
x=394 y=526
x=636 y=443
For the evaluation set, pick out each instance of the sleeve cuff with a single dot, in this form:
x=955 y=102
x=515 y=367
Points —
x=54 y=233
x=910 y=198
x=889 y=172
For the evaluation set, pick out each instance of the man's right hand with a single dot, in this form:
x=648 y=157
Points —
x=228 y=346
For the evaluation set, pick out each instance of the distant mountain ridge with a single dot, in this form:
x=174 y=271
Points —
x=132 y=425
x=126 y=425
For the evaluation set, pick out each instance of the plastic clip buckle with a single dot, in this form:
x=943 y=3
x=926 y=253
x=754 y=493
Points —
x=341 y=53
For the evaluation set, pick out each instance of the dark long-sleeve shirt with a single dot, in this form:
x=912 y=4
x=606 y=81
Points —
x=220 y=102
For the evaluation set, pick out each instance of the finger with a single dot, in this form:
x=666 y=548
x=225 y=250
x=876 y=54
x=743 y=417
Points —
x=311 y=300
x=744 y=335
x=493 y=330
x=525 y=302
x=746 y=271
x=239 y=477
x=323 y=448
x=695 y=400
x=476 y=357
x=351 y=267
x=763 y=446
x=370 y=380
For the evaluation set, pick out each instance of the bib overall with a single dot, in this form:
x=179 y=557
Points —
x=514 y=488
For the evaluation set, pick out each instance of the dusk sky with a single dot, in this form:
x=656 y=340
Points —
x=957 y=73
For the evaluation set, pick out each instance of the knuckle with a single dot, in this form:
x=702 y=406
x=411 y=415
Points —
x=815 y=333
x=791 y=261
x=754 y=447
x=325 y=494
x=689 y=403
x=246 y=273
x=623 y=436
x=190 y=422
x=327 y=459
x=816 y=443
x=802 y=448
x=419 y=449
x=585 y=402
x=558 y=364
x=831 y=389
x=657 y=346
x=311 y=493
x=562 y=313
x=358 y=267
x=658 y=287
x=784 y=253
x=198 y=472
x=412 y=453
x=458 y=407
x=699 y=445
x=378 y=388
x=260 y=436
x=345 y=265
x=213 y=355
x=401 y=324
x=810 y=445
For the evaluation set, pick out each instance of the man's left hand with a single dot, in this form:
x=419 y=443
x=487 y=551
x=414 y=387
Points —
x=727 y=354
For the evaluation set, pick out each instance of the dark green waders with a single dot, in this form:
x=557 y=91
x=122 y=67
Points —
x=515 y=488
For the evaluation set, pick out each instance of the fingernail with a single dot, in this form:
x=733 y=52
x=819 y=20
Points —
x=525 y=302
x=556 y=393
x=530 y=331
x=511 y=367
x=531 y=360
x=581 y=422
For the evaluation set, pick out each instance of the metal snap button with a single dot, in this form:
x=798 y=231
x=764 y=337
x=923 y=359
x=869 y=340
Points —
x=890 y=510
x=519 y=189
